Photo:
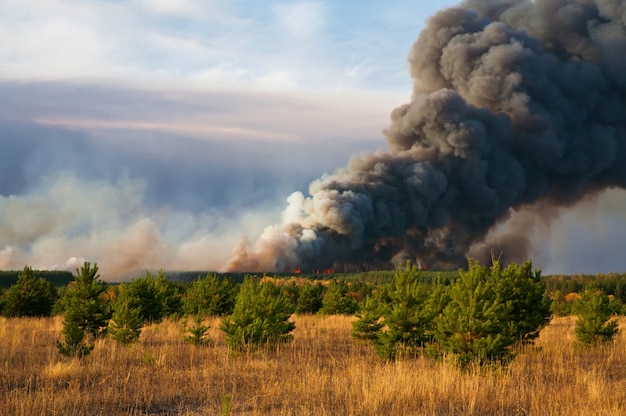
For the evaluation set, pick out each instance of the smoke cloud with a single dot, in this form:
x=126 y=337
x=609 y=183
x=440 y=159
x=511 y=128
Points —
x=517 y=113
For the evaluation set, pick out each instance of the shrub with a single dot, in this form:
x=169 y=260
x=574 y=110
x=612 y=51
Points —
x=402 y=326
x=126 y=323
x=522 y=292
x=73 y=344
x=594 y=311
x=84 y=303
x=261 y=316
x=473 y=325
x=31 y=295
x=154 y=296
x=86 y=311
x=310 y=298
x=210 y=296
x=197 y=332
x=336 y=302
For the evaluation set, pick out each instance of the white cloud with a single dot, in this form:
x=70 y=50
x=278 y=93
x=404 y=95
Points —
x=301 y=19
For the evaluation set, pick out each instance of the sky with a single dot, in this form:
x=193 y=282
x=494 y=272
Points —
x=158 y=133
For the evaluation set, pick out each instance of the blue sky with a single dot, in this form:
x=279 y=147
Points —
x=157 y=133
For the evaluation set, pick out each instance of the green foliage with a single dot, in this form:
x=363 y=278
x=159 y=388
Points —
x=336 y=302
x=198 y=332
x=522 y=292
x=310 y=298
x=210 y=296
x=473 y=324
x=261 y=316
x=403 y=324
x=31 y=295
x=154 y=296
x=559 y=305
x=126 y=323
x=84 y=303
x=594 y=311
x=368 y=325
x=73 y=344
x=58 y=278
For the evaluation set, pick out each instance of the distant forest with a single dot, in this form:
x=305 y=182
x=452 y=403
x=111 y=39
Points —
x=613 y=284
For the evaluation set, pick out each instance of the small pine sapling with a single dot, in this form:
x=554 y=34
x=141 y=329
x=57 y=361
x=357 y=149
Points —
x=126 y=323
x=594 y=311
x=73 y=344
x=198 y=332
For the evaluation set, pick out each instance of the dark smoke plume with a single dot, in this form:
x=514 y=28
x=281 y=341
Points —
x=518 y=107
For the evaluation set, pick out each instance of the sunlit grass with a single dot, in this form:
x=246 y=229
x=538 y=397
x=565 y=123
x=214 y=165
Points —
x=322 y=372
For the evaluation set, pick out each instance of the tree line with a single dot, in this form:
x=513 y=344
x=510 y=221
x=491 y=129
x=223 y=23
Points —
x=479 y=316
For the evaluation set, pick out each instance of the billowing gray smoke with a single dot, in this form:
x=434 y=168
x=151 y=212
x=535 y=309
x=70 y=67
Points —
x=518 y=105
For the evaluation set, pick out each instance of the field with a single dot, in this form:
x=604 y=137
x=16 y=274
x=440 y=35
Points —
x=322 y=372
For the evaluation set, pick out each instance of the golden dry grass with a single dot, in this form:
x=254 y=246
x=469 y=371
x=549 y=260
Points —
x=322 y=372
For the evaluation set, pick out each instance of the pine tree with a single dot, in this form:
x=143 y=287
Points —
x=84 y=303
x=74 y=341
x=31 y=295
x=473 y=325
x=522 y=292
x=86 y=311
x=154 y=296
x=336 y=302
x=310 y=298
x=403 y=323
x=594 y=311
x=261 y=316
x=210 y=296
x=369 y=323
x=198 y=332
x=126 y=323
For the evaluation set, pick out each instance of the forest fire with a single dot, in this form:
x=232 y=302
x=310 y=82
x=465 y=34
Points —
x=516 y=114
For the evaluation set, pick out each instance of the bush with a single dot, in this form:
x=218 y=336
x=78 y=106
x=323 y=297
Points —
x=310 y=298
x=336 y=301
x=84 y=303
x=522 y=291
x=473 y=325
x=31 y=295
x=210 y=296
x=153 y=296
x=86 y=311
x=197 y=332
x=404 y=324
x=74 y=344
x=126 y=323
x=594 y=310
x=261 y=316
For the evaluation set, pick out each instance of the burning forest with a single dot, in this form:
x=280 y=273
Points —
x=518 y=111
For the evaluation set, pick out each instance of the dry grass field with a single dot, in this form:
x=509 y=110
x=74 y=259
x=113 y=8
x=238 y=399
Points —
x=322 y=372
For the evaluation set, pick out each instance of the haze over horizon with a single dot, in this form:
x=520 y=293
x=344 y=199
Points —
x=157 y=134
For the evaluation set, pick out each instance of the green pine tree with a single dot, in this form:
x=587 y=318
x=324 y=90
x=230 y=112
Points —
x=154 y=296
x=84 y=303
x=522 y=292
x=369 y=323
x=126 y=323
x=210 y=296
x=336 y=302
x=198 y=332
x=310 y=298
x=261 y=316
x=73 y=344
x=31 y=295
x=593 y=326
x=403 y=324
x=472 y=326
x=86 y=311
